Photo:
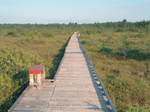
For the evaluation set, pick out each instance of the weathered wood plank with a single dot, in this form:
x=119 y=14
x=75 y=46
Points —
x=74 y=90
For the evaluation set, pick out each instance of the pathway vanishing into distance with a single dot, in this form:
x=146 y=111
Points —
x=74 y=90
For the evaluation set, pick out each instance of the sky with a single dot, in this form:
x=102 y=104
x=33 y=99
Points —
x=80 y=11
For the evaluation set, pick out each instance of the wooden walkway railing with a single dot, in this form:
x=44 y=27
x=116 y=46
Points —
x=76 y=88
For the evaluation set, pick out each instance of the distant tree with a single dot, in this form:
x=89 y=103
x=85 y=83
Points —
x=124 y=23
x=148 y=29
x=125 y=46
x=69 y=23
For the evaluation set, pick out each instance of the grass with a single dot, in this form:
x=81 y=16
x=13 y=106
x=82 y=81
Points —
x=122 y=61
x=19 y=52
x=43 y=48
x=120 y=56
x=14 y=66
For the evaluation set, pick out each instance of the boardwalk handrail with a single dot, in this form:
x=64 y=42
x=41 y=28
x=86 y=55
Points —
x=24 y=106
x=103 y=88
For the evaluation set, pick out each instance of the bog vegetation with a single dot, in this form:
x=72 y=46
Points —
x=119 y=51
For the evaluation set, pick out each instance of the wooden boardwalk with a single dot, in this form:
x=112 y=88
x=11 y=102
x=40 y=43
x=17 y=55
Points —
x=75 y=88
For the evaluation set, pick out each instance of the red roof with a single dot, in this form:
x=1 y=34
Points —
x=36 y=69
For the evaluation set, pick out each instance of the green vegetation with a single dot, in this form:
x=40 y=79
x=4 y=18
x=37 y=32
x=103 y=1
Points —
x=21 y=47
x=122 y=61
x=119 y=51
x=14 y=65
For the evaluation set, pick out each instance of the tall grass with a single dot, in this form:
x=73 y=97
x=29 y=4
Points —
x=122 y=61
x=22 y=48
x=121 y=57
x=14 y=65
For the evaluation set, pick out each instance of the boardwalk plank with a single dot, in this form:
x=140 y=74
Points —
x=75 y=89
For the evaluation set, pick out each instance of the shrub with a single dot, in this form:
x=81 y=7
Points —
x=83 y=41
x=140 y=35
x=133 y=29
x=138 y=108
x=10 y=34
x=106 y=49
x=14 y=67
x=125 y=46
x=88 y=42
x=119 y=30
x=99 y=32
x=123 y=90
x=40 y=42
x=48 y=34
x=148 y=29
x=88 y=32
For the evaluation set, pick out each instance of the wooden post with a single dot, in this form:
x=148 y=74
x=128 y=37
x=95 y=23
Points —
x=43 y=74
x=39 y=78
x=31 y=78
x=39 y=81
x=35 y=78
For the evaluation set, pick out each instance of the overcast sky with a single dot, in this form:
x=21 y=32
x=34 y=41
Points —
x=80 y=11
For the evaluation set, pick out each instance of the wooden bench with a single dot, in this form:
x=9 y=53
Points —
x=36 y=76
